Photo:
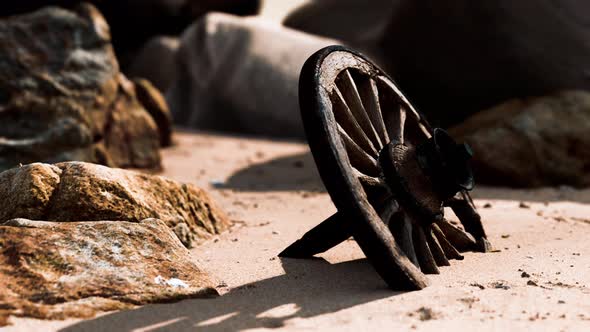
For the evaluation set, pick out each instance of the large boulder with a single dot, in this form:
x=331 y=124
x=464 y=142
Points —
x=55 y=270
x=62 y=96
x=455 y=58
x=241 y=74
x=532 y=142
x=77 y=191
x=133 y=22
x=156 y=62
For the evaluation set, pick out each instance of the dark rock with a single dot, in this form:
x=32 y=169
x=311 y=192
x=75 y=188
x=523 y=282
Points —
x=56 y=270
x=62 y=96
x=76 y=191
x=357 y=23
x=133 y=22
x=156 y=62
x=153 y=101
x=455 y=58
x=532 y=142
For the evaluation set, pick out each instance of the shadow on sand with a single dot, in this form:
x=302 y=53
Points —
x=299 y=173
x=291 y=173
x=308 y=288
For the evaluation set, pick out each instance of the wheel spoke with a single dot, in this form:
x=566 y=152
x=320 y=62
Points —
x=370 y=95
x=450 y=251
x=348 y=122
x=436 y=249
x=351 y=95
x=425 y=258
x=395 y=122
x=401 y=228
x=458 y=238
x=359 y=159
x=388 y=210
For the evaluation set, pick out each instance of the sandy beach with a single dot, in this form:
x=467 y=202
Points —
x=537 y=278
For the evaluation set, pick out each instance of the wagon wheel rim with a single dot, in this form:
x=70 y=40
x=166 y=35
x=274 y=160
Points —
x=353 y=113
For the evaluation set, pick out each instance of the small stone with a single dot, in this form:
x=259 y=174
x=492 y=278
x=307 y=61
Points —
x=477 y=285
x=531 y=283
x=487 y=206
x=505 y=236
x=525 y=275
x=524 y=205
x=426 y=314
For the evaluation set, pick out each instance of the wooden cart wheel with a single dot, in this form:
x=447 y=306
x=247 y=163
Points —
x=387 y=171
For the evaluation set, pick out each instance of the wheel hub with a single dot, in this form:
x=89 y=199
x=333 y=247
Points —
x=422 y=178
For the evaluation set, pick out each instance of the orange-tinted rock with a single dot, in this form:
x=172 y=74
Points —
x=153 y=101
x=56 y=270
x=75 y=191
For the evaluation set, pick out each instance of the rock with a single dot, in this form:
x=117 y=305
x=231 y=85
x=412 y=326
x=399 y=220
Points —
x=241 y=74
x=134 y=22
x=56 y=270
x=357 y=23
x=455 y=58
x=532 y=142
x=75 y=191
x=62 y=96
x=153 y=101
x=156 y=62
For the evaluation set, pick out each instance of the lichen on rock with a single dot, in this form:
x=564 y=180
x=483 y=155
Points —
x=56 y=270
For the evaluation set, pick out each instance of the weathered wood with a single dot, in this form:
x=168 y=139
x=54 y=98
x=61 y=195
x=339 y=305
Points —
x=359 y=159
x=335 y=151
x=387 y=210
x=348 y=122
x=449 y=250
x=435 y=248
x=351 y=95
x=330 y=233
x=395 y=121
x=351 y=111
x=459 y=239
x=425 y=258
x=370 y=95
x=463 y=206
x=401 y=227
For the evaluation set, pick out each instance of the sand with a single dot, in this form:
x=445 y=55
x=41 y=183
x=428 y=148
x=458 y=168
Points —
x=273 y=192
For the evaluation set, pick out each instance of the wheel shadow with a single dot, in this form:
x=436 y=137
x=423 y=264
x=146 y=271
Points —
x=290 y=173
x=309 y=288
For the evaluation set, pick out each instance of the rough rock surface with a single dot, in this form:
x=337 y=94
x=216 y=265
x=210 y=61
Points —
x=55 y=270
x=532 y=142
x=75 y=191
x=62 y=96
x=153 y=101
